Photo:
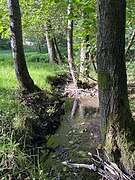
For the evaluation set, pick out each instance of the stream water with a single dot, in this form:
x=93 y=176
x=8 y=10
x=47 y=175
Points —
x=78 y=134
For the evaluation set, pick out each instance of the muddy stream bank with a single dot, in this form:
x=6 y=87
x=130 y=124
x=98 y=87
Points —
x=78 y=134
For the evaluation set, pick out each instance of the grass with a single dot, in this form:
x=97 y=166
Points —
x=13 y=115
x=39 y=72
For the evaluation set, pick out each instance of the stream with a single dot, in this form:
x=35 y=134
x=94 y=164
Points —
x=78 y=134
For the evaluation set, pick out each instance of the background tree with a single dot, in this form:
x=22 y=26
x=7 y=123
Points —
x=50 y=43
x=47 y=17
x=115 y=113
x=70 y=45
x=130 y=23
x=22 y=74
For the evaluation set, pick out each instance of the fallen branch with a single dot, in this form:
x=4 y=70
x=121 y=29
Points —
x=107 y=170
x=70 y=165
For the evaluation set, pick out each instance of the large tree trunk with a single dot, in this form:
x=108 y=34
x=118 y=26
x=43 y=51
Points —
x=116 y=119
x=25 y=82
x=50 y=43
x=70 y=47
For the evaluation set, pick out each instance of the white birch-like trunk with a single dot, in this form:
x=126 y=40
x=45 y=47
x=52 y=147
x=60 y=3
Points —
x=50 y=44
x=70 y=47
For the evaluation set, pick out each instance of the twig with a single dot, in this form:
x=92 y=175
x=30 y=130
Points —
x=70 y=165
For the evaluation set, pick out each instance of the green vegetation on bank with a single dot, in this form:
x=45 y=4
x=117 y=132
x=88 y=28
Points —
x=14 y=116
x=38 y=66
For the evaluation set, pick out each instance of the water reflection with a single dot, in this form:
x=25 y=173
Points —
x=78 y=134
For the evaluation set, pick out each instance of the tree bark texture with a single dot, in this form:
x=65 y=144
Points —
x=22 y=74
x=50 y=44
x=116 y=119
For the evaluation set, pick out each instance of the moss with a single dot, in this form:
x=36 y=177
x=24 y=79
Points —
x=103 y=131
x=103 y=80
x=126 y=156
x=108 y=143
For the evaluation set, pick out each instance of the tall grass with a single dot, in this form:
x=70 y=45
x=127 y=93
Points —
x=13 y=116
x=39 y=72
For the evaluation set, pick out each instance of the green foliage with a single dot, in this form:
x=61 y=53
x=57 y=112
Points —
x=13 y=162
x=131 y=80
x=4 y=19
x=37 y=58
x=7 y=78
x=4 y=44
x=6 y=58
x=130 y=22
x=40 y=71
x=14 y=117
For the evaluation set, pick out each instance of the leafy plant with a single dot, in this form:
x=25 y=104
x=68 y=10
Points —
x=13 y=162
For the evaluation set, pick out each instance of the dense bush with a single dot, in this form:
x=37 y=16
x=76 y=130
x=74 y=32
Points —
x=5 y=44
x=37 y=57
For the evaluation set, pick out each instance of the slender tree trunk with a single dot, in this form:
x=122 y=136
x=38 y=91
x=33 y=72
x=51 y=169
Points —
x=50 y=44
x=115 y=113
x=58 y=51
x=22 y=74
x=84 y=51
x=130 y=43
x=93 y=60
x=84 y=62
x=70 y=47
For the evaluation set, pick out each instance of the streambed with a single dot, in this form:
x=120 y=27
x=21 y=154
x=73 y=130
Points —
x=78 y=134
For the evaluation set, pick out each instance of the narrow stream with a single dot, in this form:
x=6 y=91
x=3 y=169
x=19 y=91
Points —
x=78 y=134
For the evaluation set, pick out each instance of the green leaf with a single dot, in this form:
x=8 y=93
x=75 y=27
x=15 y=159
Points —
x=1 y=28
x=0 y=14
x=89 y=10
x=64 y=168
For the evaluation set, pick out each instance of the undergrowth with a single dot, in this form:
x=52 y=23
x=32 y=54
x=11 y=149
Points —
x=131 y=85
x=14 y=162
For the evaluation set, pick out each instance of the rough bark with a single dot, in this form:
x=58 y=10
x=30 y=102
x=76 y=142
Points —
x=70 y=47
x=25 y=82
x=50 y=44
x=116 y=119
